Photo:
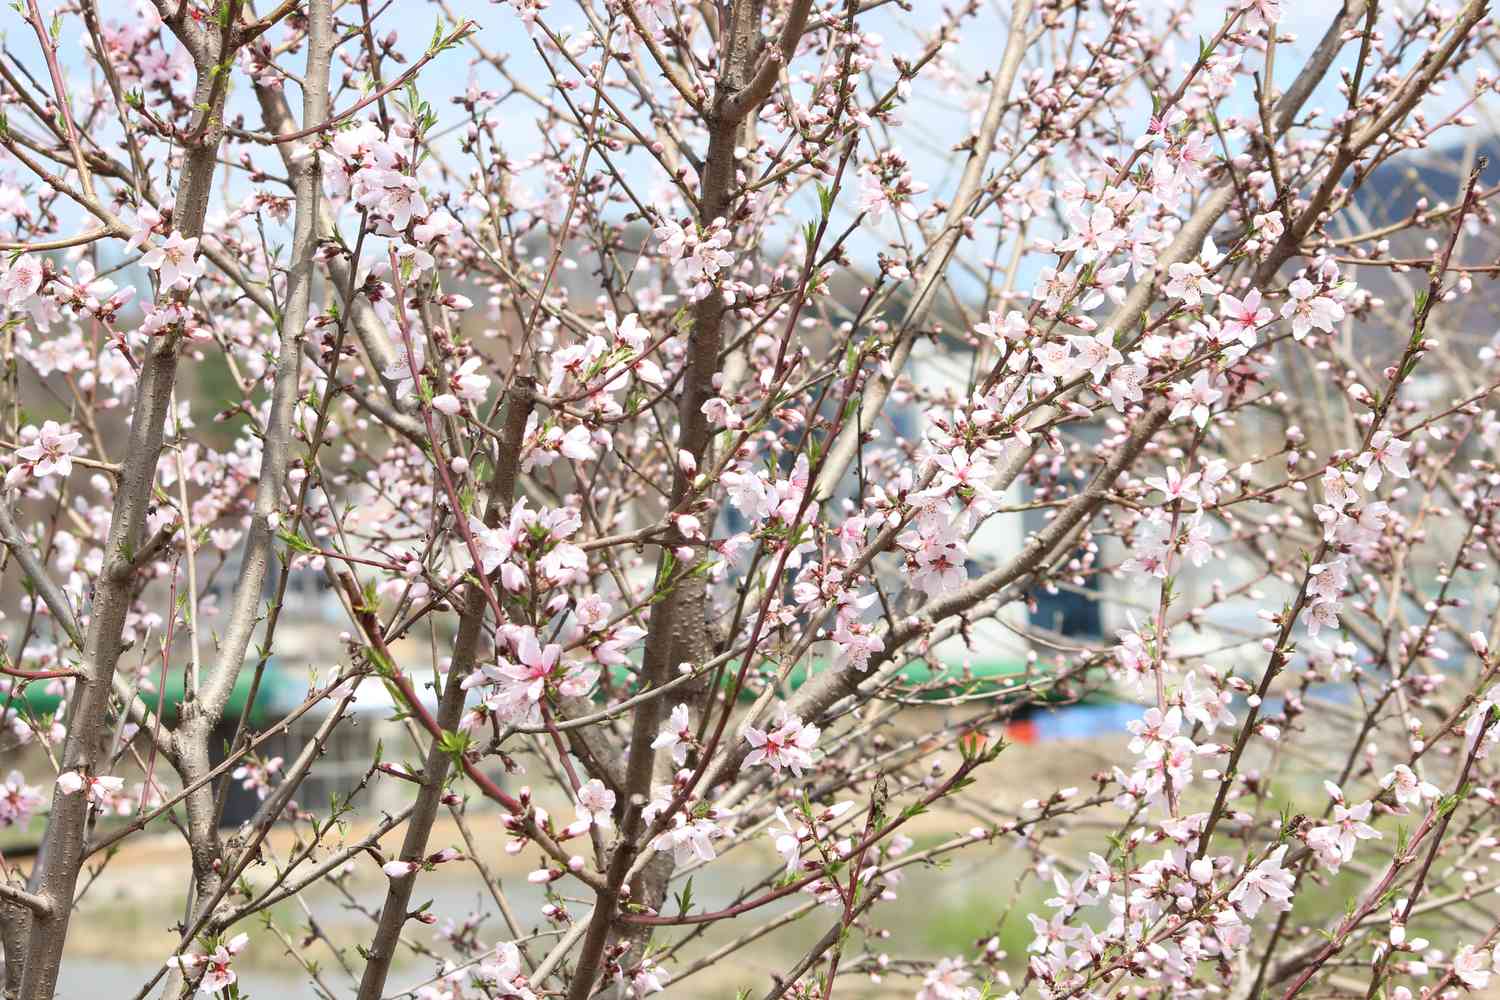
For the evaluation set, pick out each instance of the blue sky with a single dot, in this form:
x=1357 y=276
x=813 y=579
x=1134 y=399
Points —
x=940 y=113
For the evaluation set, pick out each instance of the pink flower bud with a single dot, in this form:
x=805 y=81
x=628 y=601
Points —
x=398 y=869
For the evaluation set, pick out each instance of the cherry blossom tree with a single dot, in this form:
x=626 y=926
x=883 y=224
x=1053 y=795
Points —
x=667 y=392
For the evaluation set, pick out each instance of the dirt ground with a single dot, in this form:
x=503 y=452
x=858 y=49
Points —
x=133 y=900
x=124 y=924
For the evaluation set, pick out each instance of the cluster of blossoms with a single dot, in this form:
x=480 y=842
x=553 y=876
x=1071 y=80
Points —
x=104 y=792
x=368 y=169
x=212 y=969
x=498 y=973
x=786 y=743
x=697 y=257
x=532 y=546
x=887 y=182
x=524 y=674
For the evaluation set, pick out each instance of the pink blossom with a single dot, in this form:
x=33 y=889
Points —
x=1190 y=282
x=1175 y=486
x=595 y=804
x=1308 y=310
x=1094 y=235
x=18 y=800
x=1097 y=354
x=176 y=258
x=948 y=980
x=1261 y=13
x=1470 y=967
x=20 y=281
x=676 y=735
x=1335 y=842
x=1243 y=317
x=47 y=452
x=689 y=839
x=1388 y=453
x=217 y=974
x=1408 y=788
x=493 y=544
x=1268 y=881
x=101 y=788
x=399 y=869
x=788 y=743
x=1197 y=398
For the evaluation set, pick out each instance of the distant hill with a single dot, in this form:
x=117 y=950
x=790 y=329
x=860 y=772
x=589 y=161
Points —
x=1395 y=189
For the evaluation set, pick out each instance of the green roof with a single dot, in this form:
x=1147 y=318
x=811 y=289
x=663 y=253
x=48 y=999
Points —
x=982 y=677
x=277 y=692
x=280 y=690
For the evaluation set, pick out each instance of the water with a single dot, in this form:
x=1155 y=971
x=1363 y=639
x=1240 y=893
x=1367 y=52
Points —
x=92 y=978
x=274 y=976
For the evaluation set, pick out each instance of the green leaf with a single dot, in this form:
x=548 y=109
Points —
x=454 y=744
x=296 y=542
x=685 y=898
